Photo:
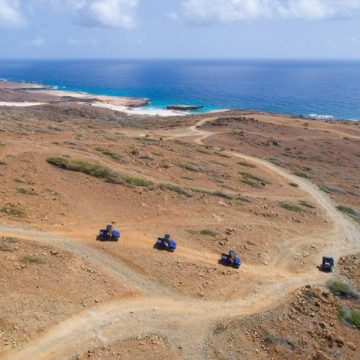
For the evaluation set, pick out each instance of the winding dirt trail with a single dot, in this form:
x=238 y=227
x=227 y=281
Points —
x=184 y=321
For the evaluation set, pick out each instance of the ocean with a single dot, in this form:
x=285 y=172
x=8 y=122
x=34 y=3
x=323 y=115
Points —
x=329 y=89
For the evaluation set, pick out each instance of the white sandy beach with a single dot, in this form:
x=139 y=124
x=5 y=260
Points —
x=140 y=110
x=20 y=104
x=113 y=100
x=124 y=104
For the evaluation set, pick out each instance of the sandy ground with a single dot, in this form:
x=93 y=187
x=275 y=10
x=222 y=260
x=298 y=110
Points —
x=191 y=178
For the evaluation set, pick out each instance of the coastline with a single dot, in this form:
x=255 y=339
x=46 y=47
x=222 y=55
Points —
x=124 y=104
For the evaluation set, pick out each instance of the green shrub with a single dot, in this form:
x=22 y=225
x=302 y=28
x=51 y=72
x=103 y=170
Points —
x=223 y=194
x=109 y=153
x=269 y=337
x=347 y=210
x=244 y=163
x=326 y=189
x=26 y=191
x=355 y=215
x=12 y=210
x=302 y=174
x=253 y=180
x=98 y=171
x=219 y=328
x=222 y=155
x=250 y=183
x=276 y=162
x=190 y=167
x=202 y=151
x=306 y=204
x=145 y=139
x=146 y=157
x=340 y=288
x=86 y=167
x=352 y=317
x=30 y=259
x=290 y=207
x=218 y=193
x=176 y=189
x=207 y=232
x=137 y=181
x=242 y=199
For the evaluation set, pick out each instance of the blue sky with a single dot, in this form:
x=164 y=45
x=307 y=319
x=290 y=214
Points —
x=180 y=29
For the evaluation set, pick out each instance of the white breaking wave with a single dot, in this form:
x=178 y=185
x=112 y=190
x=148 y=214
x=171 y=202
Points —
x=321 y=117
x=140 y=110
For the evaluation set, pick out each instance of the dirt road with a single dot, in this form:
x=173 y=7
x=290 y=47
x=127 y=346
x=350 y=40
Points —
x=184 y=321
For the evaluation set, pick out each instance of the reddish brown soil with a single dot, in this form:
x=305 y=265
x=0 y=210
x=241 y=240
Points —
x=308 y=326
x=209 y=201
x=40 y=286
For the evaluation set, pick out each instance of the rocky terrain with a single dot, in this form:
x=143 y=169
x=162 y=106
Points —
x=281 y=191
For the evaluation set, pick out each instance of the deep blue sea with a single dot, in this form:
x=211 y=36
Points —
x=330 y=88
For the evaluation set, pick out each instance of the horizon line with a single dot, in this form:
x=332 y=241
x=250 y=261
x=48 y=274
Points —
x=176 y=59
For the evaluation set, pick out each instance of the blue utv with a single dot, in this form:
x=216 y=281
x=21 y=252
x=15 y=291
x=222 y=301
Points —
x=166 y=243
x=108 y=234
x=230 y=259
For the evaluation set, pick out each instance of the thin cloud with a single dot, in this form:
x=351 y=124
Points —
x=93 y=13
x=10 y=14
x=229 y=11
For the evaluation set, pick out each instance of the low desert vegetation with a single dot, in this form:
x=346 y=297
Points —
x=175 y=188
x=219 y=328
x=111 y=154
x=252 y=180
x=218 y=193
x=290 y=207
x=12 y=211
x=341 y=288
x=26 y=191
x=246 y=164
x=351 y=317
x=222 y=155
x=97 y=171
x=31 y=259
x=207 y=232
x=135 y=181
x=347 y=210
x=326 y=189
x=85 y=167
x=146 y=157
x=145 y=139
x=271 y=338
x=306 y=204
x=302 y=174
x=242 y=199
x=276 y=162
x=355 y=215
x=190 y=167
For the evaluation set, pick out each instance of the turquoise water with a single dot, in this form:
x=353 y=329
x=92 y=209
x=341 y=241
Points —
x=321 y=88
